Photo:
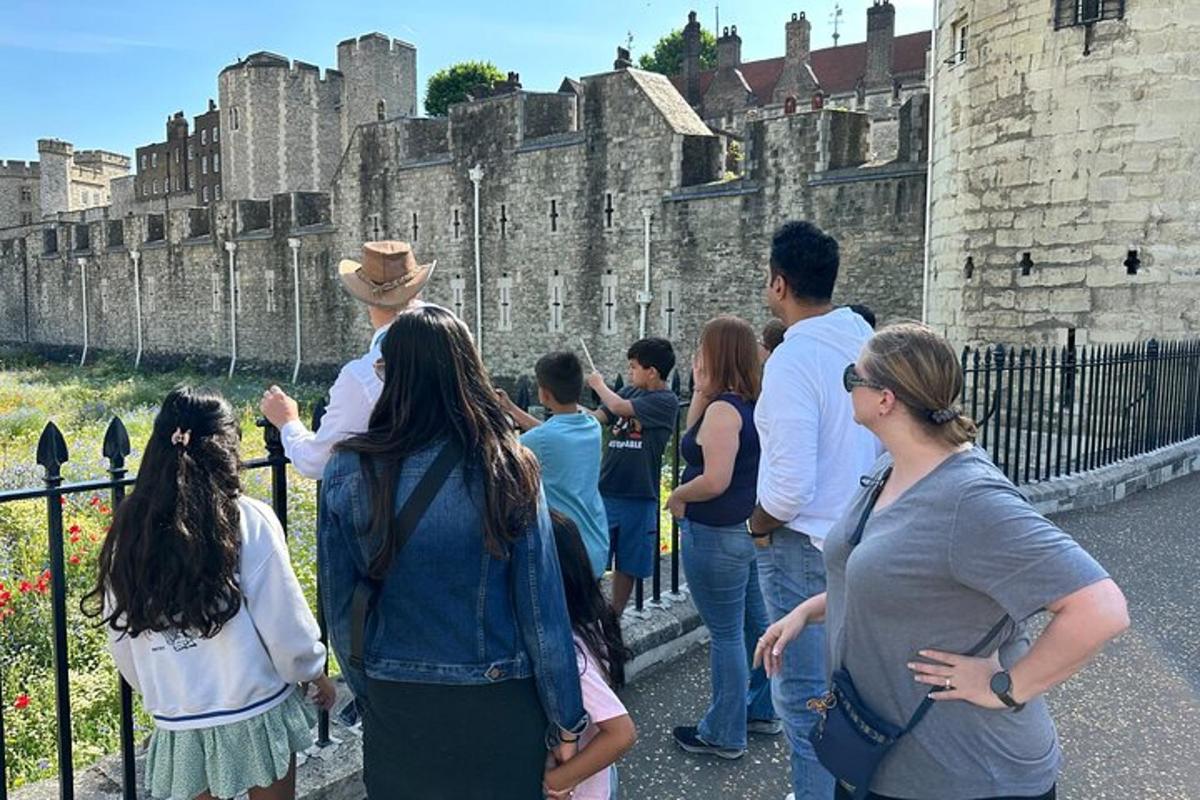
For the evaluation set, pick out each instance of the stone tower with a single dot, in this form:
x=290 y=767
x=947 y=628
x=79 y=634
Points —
x=1064 y=164
x=54 y=186
x=380 y=79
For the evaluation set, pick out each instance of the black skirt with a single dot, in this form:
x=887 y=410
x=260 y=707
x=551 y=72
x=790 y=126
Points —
x=426 y=741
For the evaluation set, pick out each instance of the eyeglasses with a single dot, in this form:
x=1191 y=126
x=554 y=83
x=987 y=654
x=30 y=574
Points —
x=380 y=372
x=851 y=380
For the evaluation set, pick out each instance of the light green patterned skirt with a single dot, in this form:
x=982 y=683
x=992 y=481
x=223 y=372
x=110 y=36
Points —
x=227 y=760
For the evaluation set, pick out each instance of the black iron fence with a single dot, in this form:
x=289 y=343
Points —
x=1048 y=412
x=1043 y=413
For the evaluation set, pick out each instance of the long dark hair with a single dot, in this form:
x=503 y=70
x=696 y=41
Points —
x=170 y=559
x=592 y=618
x=435 y=386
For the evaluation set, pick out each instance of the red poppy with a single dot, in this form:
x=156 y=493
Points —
x=5 y=595
x=103 y=509
x=45 y=575
x=95 y=501
x=73 y=529
x=74 y=559
x=62 y=501
x=93 y=538
x=22 y=701
x=74 y=538
x=25 y=587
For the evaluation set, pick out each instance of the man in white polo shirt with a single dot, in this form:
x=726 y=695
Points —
x=813 y=454
x=388 y=281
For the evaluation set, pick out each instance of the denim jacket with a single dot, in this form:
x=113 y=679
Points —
x=447 y=612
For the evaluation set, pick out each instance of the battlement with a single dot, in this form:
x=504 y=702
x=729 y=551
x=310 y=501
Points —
x=19 y=169
x=101 y=158
x=55 y=147
x=296 y=68
x=374 y=42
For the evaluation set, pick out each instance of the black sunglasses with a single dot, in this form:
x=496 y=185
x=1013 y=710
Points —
x=851 y=380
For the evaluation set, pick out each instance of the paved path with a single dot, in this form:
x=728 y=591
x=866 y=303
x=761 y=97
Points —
x=1129 y=723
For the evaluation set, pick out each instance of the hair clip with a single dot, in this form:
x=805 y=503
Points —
x=944 y=415
x=181 y=437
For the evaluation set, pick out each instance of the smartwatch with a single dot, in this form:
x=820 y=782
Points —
x=1001 y=686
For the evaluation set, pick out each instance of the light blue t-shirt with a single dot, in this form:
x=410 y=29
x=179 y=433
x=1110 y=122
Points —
x=568 y=446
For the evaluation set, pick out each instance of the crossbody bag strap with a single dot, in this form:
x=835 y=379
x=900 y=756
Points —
x=406 y=522
x=928 y=702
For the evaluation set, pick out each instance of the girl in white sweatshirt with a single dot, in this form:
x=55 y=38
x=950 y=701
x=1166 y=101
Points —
x=205 y=616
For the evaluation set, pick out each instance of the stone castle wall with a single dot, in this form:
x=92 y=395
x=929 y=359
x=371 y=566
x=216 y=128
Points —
x=566 y=189
x=1077 y=147
x=14 y=177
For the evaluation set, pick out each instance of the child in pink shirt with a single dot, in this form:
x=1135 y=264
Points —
x=601 y=654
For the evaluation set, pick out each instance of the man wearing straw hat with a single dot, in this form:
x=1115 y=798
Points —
x=388 y=280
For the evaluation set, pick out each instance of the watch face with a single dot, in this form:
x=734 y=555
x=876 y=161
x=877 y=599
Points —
x=1001 y=683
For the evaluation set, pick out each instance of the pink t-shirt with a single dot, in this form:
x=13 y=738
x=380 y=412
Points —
x=601 y=703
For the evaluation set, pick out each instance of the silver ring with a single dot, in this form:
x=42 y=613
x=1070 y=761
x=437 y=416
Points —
x=949 y=686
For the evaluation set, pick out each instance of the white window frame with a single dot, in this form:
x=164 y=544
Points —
x=504 y=302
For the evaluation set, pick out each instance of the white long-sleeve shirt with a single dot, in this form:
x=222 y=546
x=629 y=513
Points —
x=351 y=400
x=813 y=452
x=252 y=663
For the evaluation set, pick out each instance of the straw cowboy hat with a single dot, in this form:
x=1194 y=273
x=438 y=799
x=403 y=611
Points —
x=388 y=275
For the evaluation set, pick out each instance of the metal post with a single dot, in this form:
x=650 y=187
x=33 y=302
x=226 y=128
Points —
x=231 y=248
x=278 y=463
x=116 y=449
x=644 y=296
x=323 y=738
x=83 y=292
x=51 y=455
x=927 y=267
x=137 y=304
x=476 y=175
x=294 y=243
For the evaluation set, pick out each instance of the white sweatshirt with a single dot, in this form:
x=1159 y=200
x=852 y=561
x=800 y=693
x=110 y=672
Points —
x=252 y=664
x=813 y=452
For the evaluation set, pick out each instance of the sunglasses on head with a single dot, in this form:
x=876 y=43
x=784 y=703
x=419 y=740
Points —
x=380 y=372
x=851 y=380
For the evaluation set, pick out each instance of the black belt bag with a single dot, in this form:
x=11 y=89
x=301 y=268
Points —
x=851 y=740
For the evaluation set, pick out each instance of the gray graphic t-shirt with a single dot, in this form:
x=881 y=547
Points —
x=632 y=465
x=936 y=569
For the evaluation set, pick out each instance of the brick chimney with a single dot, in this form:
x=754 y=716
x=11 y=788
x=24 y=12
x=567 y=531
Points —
x=691 y=59
x=623 y=60
x=729 y=49
x=881 y=33
x=797 y=79
x=799 y=35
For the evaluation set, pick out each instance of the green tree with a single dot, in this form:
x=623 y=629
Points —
x=451 y=84
x=667 y=57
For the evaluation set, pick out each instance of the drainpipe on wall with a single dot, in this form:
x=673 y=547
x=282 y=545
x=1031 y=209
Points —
x=644 y=296
x=295 y=245
x=476 y=175
x=83 y=292
x=137 y=305
x=231 y=248
x=934 y=63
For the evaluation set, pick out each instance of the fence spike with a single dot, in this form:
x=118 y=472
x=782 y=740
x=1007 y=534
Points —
x=319 y=414
x=675 y=383
x=51 y=448
x=523 y=393
x=116 y=440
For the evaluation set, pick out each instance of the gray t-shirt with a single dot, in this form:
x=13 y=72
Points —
x=937 y=569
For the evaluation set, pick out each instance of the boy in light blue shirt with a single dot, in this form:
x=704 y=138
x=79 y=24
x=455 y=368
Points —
x=568 y=446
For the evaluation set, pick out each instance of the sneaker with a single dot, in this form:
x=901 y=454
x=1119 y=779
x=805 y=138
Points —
x=765 y=727
x=791 y=796
x=689 y=739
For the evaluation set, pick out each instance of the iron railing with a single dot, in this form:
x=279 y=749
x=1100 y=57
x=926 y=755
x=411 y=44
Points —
x=1048 y=412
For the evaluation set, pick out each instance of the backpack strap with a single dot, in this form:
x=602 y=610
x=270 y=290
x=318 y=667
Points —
x=414 y=508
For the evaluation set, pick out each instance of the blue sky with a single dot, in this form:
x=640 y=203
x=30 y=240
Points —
x=107 y=74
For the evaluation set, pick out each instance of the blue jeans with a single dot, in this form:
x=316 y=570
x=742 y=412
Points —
x=791 y=570
x=721 y=572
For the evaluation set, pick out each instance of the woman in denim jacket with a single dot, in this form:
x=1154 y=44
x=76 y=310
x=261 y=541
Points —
x=468 y=669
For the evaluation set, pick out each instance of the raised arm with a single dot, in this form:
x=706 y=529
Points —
x=348 y=413
x=612 y=401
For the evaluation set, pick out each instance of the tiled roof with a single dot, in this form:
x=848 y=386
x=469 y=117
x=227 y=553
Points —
x=837 y=68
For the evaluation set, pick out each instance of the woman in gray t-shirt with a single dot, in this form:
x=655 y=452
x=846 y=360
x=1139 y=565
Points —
x=948 y=551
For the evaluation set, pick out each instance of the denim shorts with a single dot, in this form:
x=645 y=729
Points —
x=633 y=534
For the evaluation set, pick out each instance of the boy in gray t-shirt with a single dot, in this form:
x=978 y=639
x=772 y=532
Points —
x=937 y=569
